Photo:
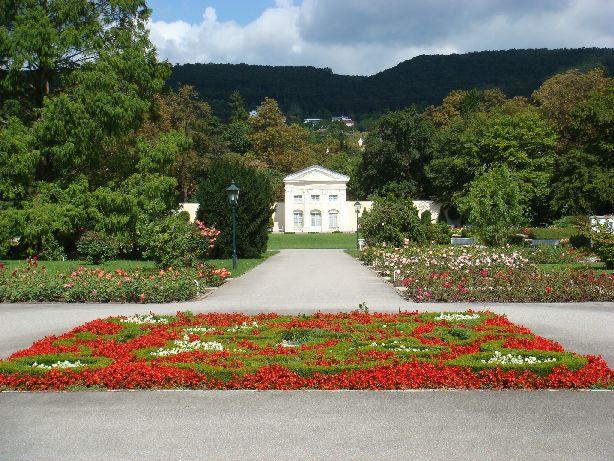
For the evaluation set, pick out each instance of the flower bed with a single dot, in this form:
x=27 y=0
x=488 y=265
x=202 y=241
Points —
x=354 y=350
x=35 y=283
x=476 y=274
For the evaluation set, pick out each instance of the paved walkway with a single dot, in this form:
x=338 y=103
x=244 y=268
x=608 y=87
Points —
x=308 y=280
x=310 y=425
x=316 y=425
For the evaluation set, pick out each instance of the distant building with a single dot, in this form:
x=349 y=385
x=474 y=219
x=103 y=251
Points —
x=347 y=121
x=253 y=113
x=312 y=121
x=315 y=201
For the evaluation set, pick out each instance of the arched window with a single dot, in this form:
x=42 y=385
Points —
x=333 y=219
x=316 y=219
x=298 y=219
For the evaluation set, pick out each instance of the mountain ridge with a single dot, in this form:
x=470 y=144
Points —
x=307 y=91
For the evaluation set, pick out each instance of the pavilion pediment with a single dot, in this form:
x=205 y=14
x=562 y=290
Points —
x=317 y=173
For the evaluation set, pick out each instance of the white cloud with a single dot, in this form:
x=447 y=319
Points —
x=366 y=36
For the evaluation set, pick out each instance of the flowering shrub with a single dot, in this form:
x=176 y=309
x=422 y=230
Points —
x=478 y=274
x=174 y=241
x=354 y=350
x=35 y=283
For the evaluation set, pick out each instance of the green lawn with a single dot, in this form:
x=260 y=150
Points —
x=243 y=265
x=297 y=241
x=568 y=266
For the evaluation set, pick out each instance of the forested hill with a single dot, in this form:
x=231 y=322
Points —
x=423 y=80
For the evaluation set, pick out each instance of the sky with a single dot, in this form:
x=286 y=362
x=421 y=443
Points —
x=363 y=37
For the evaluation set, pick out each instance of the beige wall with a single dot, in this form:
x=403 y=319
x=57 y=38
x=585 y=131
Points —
x=346 y=216
x=191 y=208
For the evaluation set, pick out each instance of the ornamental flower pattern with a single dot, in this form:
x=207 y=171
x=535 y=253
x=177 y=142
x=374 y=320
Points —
x=355 y=350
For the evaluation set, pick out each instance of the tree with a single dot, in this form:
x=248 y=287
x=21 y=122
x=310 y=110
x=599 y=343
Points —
x=254 y=209
x=238 y=112
x=183 y=112
x=42 y=41
x=89 y=74
x=523 y=142
x=493 y=206
x=17 y=160
x=281 y=147
x=236 y=136
x=396 y=152
x=585 y=173
x=558 y=96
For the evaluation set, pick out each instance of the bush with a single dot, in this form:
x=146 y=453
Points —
x=34 y=283
x=392 y=220
x=97 y=247
x=547 y=233
x=603 y=246
x=547 y=254
x=175 y=242
x=453 y=274
x=254 y=209
x=580 y=241
x=438 y=232
x=51 y=250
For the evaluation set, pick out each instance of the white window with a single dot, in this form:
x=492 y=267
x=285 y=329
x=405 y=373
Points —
x=298 y=198
x=333 y=219
x=298 y=219
x=315 y=197
x=333 y=198
x=316 y=219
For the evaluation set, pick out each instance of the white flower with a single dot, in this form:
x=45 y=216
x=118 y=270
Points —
x=143 y=318
x=510 y=359
x=61 y=364
x=185 y=345
x=456 y=317
x=285 y=343
x=243 y=326
x=199 y=330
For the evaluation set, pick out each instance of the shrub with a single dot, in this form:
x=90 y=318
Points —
x=493 y=206
x=392 y=220
x=254 y=209
x=547 y=233
x=603 y=246
x=97 y=247
x=438 y=232
x=34 y=283
x=453 y=274
x=175 y=242
x=547 y=254
x=51 y=250
x=580 y=241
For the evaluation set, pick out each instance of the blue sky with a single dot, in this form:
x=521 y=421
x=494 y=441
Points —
x=363 y=37
x=241 y=11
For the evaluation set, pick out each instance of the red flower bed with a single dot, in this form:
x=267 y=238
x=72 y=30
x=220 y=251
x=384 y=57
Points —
x=356 y=350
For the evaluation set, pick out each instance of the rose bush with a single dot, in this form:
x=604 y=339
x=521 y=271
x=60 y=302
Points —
x=36 y=283
x=478 y=274
x=355 y=350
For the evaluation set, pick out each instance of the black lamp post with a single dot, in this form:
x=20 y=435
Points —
x=233 y=198
x=357 y=210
